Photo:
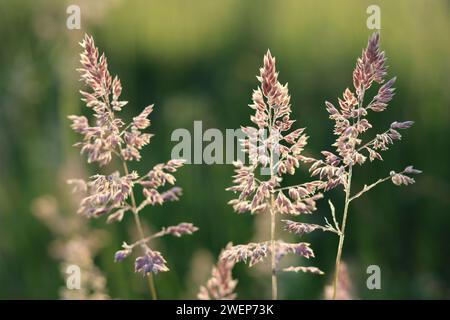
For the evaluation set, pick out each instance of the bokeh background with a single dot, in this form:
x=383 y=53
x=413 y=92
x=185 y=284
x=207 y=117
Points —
x=197 y=60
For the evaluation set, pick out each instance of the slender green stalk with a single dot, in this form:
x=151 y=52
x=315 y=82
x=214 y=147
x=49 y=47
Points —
x=273 y=222
x=150 y=281
x=151 y=285
x=342 y=233
x=272 y=242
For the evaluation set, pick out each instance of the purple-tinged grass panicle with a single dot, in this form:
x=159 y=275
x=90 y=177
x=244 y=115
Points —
x=350 y=123
x=221 y=285
x=181 y=229
x=150 y=262
x=300 y=228
x=109 y=136
x=304 y=270
x=251 y=253
x=346 y=287
x=75 y=244
x=272 y=145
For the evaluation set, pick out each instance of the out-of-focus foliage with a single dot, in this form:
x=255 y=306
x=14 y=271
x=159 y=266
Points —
x=197 y=60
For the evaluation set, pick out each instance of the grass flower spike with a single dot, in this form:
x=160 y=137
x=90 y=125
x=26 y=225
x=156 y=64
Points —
x=221 y=285
x=337 y=168
x=113 y=195
x=276 y=150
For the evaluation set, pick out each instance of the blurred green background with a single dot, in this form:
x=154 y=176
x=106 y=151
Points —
x=197 y=60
